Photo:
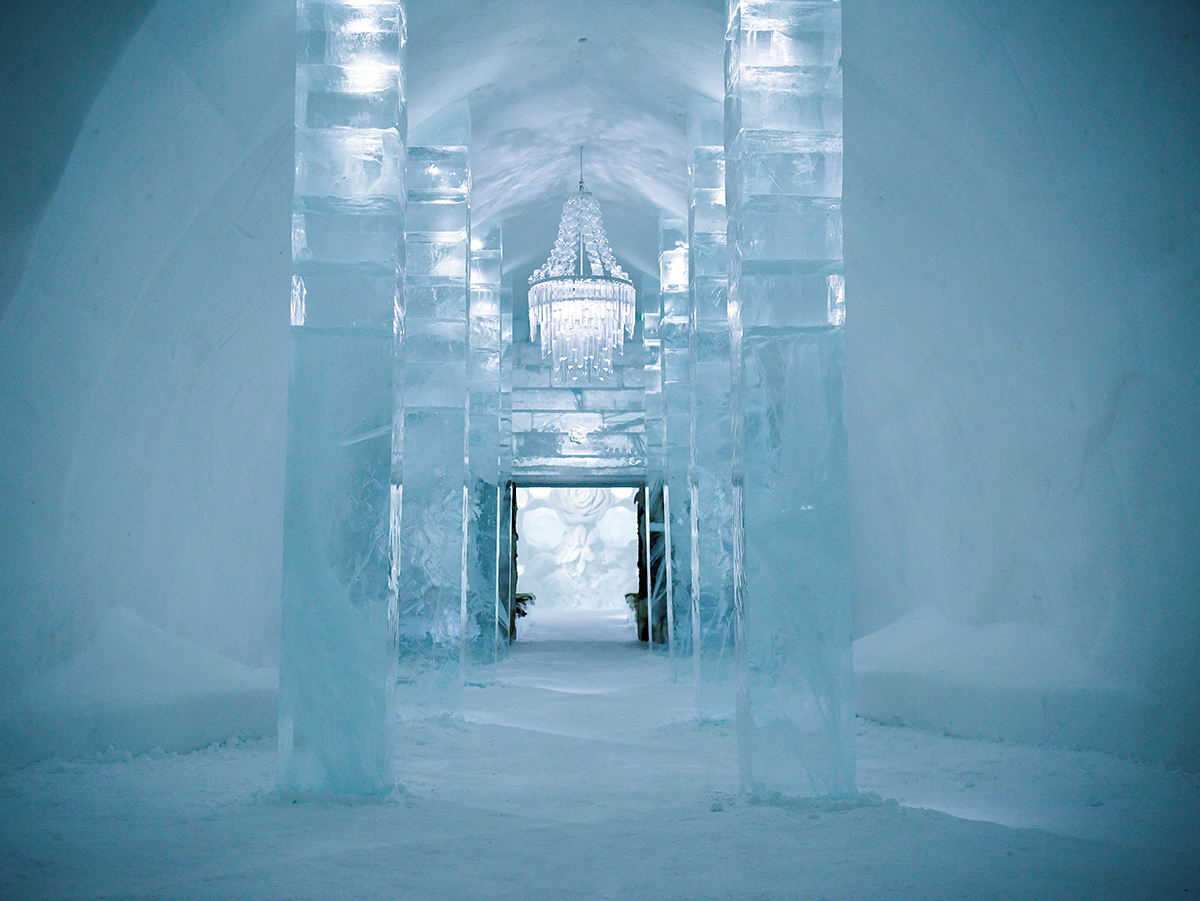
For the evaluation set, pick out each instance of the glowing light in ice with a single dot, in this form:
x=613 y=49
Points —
x=370 y=78
x=673 y=266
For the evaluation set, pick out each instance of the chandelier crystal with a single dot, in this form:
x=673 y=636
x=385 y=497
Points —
x=584 y=317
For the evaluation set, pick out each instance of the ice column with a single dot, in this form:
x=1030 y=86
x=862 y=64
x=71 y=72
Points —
x=676 y=401
x=484 y=514
x=506 y=575
x=655 y=426
x=783 y=144
x=710 y=526
x=338 y=641
x=435 y=527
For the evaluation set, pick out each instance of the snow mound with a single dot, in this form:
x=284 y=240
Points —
x=135 y=688
x=1013 y=681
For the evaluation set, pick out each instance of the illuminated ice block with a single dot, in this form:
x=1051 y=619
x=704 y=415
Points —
x=337 y=634
x=786 y=315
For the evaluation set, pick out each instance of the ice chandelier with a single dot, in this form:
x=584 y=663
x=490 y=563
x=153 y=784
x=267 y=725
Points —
x=582 y=317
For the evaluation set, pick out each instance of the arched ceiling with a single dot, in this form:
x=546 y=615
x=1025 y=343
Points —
x=536 y=90
x=545 y=77
x=53 y=62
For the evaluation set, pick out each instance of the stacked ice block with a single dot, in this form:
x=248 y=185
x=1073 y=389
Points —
x=338 y=651
x=710 y=527
x=435 y=525
x=783 y=142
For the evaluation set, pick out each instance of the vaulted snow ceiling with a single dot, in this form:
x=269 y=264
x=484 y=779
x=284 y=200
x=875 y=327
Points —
x=545 y=77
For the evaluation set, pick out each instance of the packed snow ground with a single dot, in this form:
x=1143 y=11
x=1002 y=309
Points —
x=580 y=771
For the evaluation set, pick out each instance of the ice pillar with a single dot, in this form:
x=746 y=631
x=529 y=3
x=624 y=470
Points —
x=338 y=651
x=484 y=516
x=710 y=524
x=783 y=144
x=506 y=575
x=657 y=570
x=676 y=405
x=435 y=525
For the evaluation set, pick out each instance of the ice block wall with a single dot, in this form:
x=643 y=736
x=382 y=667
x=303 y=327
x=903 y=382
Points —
x=676 y=399
x=783 y=145
x=586 y=433
x=709 y=481
x=435 y=526
x=337 y=640
x=484 y=517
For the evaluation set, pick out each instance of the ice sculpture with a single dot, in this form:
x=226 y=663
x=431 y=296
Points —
x=435 y=539
x=579 y=546
x=338 y=642
x=710 y=523
x=783 y=143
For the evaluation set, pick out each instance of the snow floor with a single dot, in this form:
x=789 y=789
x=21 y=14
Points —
x=581 y=772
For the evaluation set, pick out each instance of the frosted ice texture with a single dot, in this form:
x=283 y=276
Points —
x=786 y=315
x=439 y=560
x=338 y=641
x=710 y=526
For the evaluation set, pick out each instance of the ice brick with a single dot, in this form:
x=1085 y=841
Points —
x=351 y=163
x=337 y=650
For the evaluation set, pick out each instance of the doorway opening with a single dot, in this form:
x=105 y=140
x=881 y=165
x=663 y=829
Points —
x=579 y=563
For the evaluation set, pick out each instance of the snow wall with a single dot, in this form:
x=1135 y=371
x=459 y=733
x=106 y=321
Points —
x=1022 y=199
